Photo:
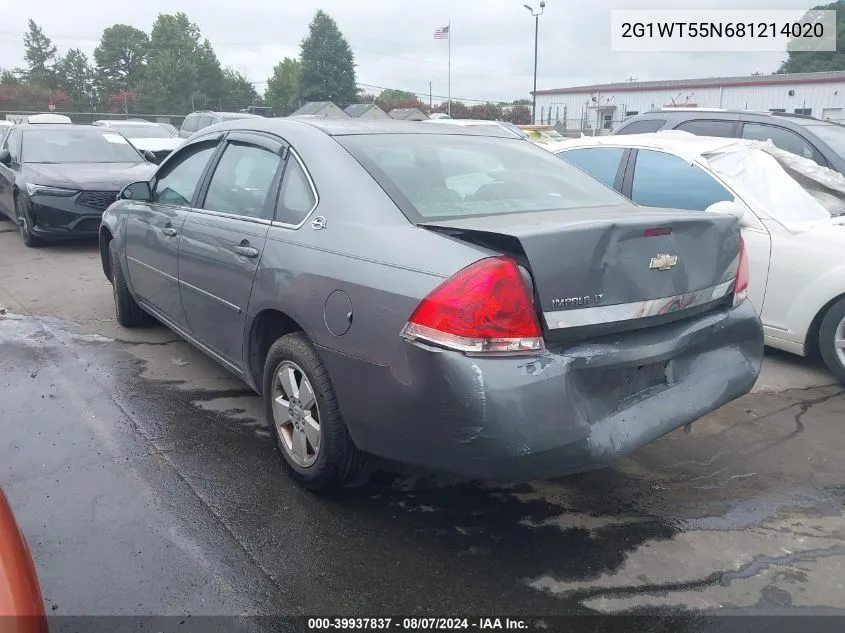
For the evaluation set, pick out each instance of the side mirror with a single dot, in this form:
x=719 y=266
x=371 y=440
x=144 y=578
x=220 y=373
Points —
x=139 y=191
x=728 y=207
x=5 y=157
x=151 y=158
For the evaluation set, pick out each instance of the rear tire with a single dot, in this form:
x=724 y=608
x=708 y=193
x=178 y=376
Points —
x=832 y=339
x=328 y=458
x=24 y=224
x=126 y=309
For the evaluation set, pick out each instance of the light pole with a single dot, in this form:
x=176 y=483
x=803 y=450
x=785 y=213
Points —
x=536 y=32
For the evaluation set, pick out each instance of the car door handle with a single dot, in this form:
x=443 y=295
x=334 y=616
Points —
x=169 y=231
x=246 y=251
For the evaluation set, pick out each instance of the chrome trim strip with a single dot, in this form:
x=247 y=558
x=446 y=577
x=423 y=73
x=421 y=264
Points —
x=231 y=216
x=285 y=225
x=231 y=306
x=152 y=269
x=637 y=310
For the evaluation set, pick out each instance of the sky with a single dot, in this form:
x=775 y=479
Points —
x=492 y=42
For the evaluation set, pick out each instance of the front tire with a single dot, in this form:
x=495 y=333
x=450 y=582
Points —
x=304 y=418
x=832 y=339
x=126 y=309
x=24 y=224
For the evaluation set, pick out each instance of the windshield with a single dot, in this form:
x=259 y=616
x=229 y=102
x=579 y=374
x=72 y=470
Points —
x=435 y=176
x=140 y=131
x=833 y=135
x=761 y=181
x=513 y=128
x=77 y=146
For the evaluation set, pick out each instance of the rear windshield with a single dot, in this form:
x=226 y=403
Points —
x=833 y=135
x=77 y=145
x=435 y=176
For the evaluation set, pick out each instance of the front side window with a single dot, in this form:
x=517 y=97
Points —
x=440 y=176
x=77 y=145
x=181 y=176
x=190 y=123
x=785 y=139
x=600 y=162
x=642 y=127
x=666 y=181
x=11 y=144
x=203 y=121
x=243 y=180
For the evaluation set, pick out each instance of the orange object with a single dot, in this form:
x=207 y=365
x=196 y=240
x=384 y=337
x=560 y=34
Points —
x=20 y=593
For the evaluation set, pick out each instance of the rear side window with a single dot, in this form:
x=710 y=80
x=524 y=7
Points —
x=667 y=181
x=190 y=123
x=297 y=198
x=642 y=127
x=708 y=128
x=786 y=140
x=203 y=121
x=182 y=175
x=600 y=162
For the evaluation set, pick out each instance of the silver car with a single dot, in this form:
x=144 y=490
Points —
x=435 y=295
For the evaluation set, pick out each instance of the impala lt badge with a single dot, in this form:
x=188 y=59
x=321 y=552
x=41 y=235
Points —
x=577 y=302
x=663 y=262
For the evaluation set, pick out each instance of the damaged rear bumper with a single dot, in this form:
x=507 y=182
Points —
x=569 y=410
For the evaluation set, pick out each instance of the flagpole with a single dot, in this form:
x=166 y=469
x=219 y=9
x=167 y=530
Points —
x=449 y=87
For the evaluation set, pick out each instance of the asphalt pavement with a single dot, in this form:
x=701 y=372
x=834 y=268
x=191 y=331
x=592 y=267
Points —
x=146 y=483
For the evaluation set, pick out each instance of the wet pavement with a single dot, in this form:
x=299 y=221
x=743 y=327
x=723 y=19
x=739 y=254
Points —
x=146 y=483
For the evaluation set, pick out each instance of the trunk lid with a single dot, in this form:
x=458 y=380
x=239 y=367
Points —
x=613 y=265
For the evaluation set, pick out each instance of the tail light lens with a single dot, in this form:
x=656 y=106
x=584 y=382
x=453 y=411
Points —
x=485 y=308
x=741 y=285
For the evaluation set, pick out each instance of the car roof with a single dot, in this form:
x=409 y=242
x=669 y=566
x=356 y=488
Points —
x=128 y=122
x=346 y=127
x=59 y=126
x=802 y=119
x=691 y=146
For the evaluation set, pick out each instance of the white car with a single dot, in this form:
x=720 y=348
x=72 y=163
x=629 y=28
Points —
x=479 y=122
x=792 y=213
x=146 y=136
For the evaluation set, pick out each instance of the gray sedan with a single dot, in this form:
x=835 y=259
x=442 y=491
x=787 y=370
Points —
x=432 y=294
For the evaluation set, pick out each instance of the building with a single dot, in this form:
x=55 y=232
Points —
x=599 y=108
x=408 y=114
x=322 y=109
x=366 y=111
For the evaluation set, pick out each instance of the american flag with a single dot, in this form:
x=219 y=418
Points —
x=442 y=33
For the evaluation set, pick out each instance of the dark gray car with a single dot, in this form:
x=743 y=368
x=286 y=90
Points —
x=202 y=119
x=435 y=295
x=821 y=141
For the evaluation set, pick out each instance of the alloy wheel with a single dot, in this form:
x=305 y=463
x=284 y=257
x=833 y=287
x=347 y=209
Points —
x=839 y=341
x=295 y=414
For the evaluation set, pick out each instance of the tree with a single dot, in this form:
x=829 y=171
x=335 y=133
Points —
x=460 y=110
x=283 y=88
x=75 y=76
x=328 y=65
x=121 y=102
x=486 y=111
x=40 y=56
x=210 y=80
x=389 y=94
x=238 y=91
x=171 y=78
x=120 y=57
x=413 y=102
x=526 y=102
x=518 y=115
x=820 y=61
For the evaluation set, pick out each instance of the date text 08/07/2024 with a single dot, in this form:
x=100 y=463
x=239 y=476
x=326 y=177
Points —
x=417 y=624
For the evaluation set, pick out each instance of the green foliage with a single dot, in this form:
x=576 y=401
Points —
x=820 y=61
x=238 y=90
x=328 y=65
x=395 y=95
x=76 y=77
x=283 y=92
x=120 y=57
x=40 y=56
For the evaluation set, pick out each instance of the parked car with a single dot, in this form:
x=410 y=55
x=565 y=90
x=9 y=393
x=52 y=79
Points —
x=47 y=118
x=21 y=603
x=146 y=136
x=820 y=141
x=434 y=294
x=795 y=233
x=5 y=127
x=57 y=179
x=480 y=123
x=203 y=118
x=542 y=134
x=170 y=129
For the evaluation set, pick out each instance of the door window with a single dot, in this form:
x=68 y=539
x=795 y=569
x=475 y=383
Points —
x=12 y=143
x=785 y=139
x=708 y=128
x=180 y=178
x=297 y=199
x=601 y=163
x=667 y=181
x=190 y=123
x=642 y=127
x=203 y=121
x=243 y=180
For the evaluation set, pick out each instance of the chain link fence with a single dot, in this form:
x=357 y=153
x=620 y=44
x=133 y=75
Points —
x=87 y=118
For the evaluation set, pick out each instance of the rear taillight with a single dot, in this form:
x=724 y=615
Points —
x=741 y=285
x=484 y=309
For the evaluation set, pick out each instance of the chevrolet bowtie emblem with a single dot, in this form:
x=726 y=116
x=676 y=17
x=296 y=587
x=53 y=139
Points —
x=663 y=262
